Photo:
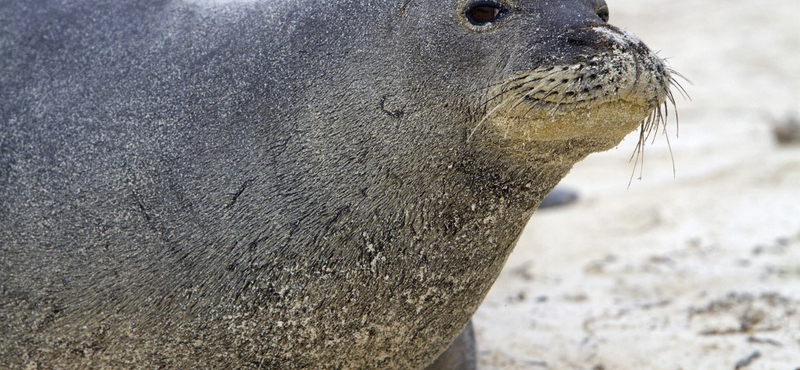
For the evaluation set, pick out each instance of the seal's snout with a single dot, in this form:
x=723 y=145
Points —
x=605 y=83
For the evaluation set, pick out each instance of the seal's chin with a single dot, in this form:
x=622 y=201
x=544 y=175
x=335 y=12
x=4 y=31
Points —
x=605 y=123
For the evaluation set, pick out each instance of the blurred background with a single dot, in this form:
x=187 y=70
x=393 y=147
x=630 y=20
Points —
x=693 y=269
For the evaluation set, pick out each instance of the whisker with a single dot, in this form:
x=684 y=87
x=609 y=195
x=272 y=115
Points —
x=509 y=90
x=649 y=127
x=555 y=109
x=541 y=102
x=498 y=83
x=535 y=88
x=483 y=104
x=637 y=153
x=681 y=90
x=677 y=117
x=671 y=154
x=486 y=116
x=674 y=72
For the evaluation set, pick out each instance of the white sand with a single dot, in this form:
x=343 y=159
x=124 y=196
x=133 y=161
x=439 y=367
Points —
x=699 y=271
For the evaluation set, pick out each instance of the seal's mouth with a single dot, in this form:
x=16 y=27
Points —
x=601 y=97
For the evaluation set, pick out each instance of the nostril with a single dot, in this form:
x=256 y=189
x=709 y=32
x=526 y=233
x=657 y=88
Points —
x=581 y=38
x=602 y=12
x=592 y=37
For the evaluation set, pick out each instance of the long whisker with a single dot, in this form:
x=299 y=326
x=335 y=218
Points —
x=541 y=102
x=486 y=116
x=513 y=91
x=533 y=89
x=484 y=103
x=638 y=152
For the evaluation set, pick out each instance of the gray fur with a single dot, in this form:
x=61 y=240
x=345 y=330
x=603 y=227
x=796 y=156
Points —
x=258 y=184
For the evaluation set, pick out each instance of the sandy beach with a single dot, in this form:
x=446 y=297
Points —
x=696 y=268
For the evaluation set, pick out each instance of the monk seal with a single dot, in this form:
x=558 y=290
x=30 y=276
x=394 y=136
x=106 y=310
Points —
x=297 y=184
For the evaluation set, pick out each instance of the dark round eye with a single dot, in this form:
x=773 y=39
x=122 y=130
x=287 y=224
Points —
x=481 y=13
x=602 y=12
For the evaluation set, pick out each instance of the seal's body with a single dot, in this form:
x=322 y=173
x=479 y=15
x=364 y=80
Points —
x=285 y=184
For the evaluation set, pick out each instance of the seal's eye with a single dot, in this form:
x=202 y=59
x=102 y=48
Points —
x=481 y=13
x=602 y=12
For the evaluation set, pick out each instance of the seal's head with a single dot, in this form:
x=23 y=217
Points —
x=550 y=77
x=596 y=83
x=602 y=93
